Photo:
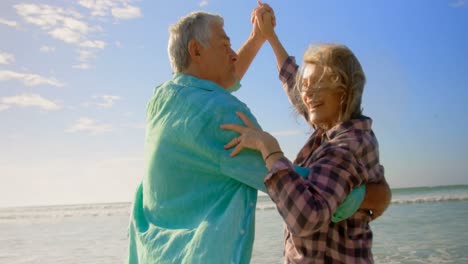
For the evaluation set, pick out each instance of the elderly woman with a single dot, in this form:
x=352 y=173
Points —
x=341 y=155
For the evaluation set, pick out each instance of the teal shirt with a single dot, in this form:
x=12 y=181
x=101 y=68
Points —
x=195 y=204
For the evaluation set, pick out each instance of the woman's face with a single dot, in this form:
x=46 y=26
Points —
x=322 y=98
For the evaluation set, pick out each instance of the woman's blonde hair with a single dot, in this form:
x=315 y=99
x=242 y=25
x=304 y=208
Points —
x=342 y=68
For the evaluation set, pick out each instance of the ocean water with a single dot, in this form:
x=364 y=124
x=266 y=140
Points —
x=422 y=225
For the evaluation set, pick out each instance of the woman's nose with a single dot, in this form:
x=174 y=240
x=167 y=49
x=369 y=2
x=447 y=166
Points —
x=313 y=96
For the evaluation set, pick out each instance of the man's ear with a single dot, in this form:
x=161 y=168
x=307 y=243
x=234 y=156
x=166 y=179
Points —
x=194 y=50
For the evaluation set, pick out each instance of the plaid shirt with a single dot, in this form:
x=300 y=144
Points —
x=344 y=157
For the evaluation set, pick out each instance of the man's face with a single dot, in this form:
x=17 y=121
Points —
x=218 y=59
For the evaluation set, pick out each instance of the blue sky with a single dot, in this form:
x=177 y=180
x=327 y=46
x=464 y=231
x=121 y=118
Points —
x=75 y=77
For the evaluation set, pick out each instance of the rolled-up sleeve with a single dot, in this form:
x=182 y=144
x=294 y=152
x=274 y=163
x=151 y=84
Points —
x=288 y=76
x=288 y=73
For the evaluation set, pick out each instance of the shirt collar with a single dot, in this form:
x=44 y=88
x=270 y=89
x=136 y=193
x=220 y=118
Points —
x=192 y=81
x=362 y=123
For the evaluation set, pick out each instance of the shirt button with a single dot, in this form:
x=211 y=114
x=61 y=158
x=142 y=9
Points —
x=242 y=231
x=252 y=204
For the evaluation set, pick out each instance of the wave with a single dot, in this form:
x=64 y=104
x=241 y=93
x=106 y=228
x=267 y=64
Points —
x=430 y=199
x=430 y=189
x=57 y=212
x=267 y=205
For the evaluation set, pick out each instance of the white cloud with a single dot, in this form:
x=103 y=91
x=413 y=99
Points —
x=106 y=101
x=9 y=23
x=203 y=3
x=135 y=125
x=96 y=44
x=97 y=7
x=29 y=79
x=120 y=9
x=62 y=24
x=82 y=66
x=6 y=58
x=66 y=25
x=28 y=100
x=85 y=55
x=459 y=3
x=287 y=133
x=77 y=25
x=126 y=12
x=4 y=107
x=66 y=35
x=85 y=124
x=71 y=27
x=47 y=49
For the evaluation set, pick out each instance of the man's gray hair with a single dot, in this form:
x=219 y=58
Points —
x=197 y=26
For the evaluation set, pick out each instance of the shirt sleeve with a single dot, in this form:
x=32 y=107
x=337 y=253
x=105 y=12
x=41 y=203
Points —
x=349 y=206
x=288 y=75
x=248 y=166
x=306 y=205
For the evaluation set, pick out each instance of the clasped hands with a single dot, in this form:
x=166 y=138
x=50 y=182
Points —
x=263 y=20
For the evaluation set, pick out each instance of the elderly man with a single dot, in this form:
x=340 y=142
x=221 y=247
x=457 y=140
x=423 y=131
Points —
x=196 y=204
